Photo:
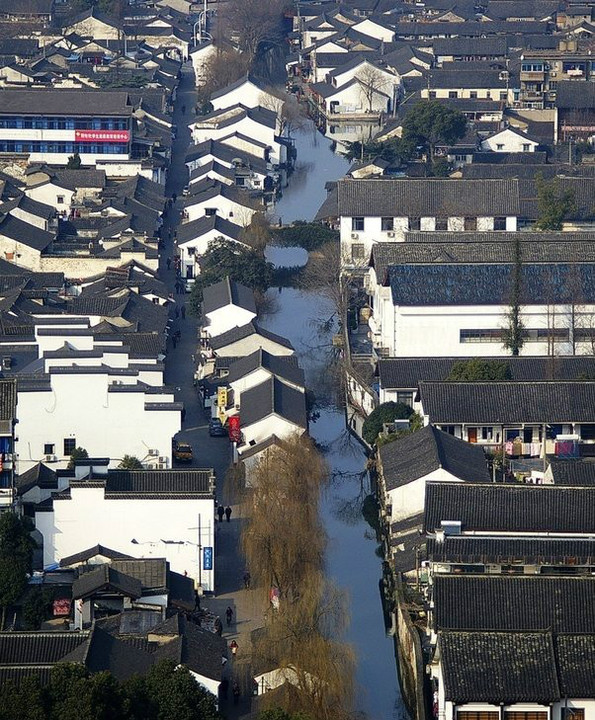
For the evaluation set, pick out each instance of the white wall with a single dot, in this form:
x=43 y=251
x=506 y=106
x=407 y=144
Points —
x=248 y=95
x=106 y=424
x=226 y=208
x=252 y=343
x=271 y=425
x=89 y=519
x=226 y=318
x=408 y=500
x=509 y=142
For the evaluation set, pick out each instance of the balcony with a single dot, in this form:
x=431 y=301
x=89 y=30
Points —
x=533 y=76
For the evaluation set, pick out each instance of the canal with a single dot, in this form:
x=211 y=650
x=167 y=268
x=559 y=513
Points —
x=352 y=558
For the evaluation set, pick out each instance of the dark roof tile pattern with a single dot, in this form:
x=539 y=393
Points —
x=490 y=403
x=33 y=648
x=273 y=397
x=521 y=602
x=427 y=450
x=285 y=367
x=498 y=667
x=106 y=578
x=49 y=102
x=578 y=471
x=511 y=508
x=227 y=292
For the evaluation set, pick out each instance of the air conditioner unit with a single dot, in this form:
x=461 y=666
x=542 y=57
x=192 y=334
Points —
x=367 y=282
x=554 y=74
x=162 y=459
x=354 y=236
x=390 y=234
x=153 y=452
x=50 y=458
x=162 y=466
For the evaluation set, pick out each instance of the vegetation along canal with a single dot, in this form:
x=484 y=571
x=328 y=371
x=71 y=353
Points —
x=352 y=560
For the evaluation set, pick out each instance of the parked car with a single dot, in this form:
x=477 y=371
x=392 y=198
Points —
x=216 y=428
x=182 y=452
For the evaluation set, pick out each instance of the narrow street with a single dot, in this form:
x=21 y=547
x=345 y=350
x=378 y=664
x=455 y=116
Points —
x=208 y=451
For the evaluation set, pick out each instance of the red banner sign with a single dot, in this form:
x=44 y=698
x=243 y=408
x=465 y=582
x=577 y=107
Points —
x=101 y=136
x=233 y=424
x=61 y=606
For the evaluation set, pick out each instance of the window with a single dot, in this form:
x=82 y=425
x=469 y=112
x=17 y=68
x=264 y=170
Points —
x=357 y=224
x=452 y=94
x=405 y=397
x=470 y=224
x=69 y=445
x=499 y=223
x=526 y=147
x=60 y=199
x=473 y=94
x=441 y=224
x=414 y=223
x=209 y=212
x=48 y=449
x=432 y=94
x=568 y=713
x=357 y=252
x=388 y=223
x=500 y=146
x=480 y=336
x=503 y=95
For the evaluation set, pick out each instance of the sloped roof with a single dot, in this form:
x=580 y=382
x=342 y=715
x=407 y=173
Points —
x=282 y=366
x=206 y=223
x=106 y=579
x=35 y=648
x=519 y=602
x=273 y=397
x=236 y=334
x=50 y=102
x=85 y=555
x=425 y=197
x=578 y=471
x=21 y=231
x=506 y=402
x=227 y=292
x=420 y=453
x=511 y=507
x=498 y=667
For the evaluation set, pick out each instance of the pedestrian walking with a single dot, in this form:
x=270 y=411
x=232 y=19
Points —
x=236 y=692
x=220 y=512
x=174 y=340
x=247 y=580
x=233 y=646
x=183 y=109
x=168 y=263
x=174 y=197
x=196 y=600
x=177 y=334
x=229 y=615
x=183 y=312
x=218 y=626
x=177 y=313
x=228 y=513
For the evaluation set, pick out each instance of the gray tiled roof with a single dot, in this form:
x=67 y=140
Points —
x=463 y=78
x=273 y=397
x=575 y=95
x=578 y=471
x=408 y=372
x=21 y=231
x=106 y=578
x=576 y=662
x=490 y=284
x=237 y=334
x=197 y=228
x=27 y=648
x=498 y=667
x=8 y=403
x=511 y=508
x=50 y=102
x=522 y=602
x=485 y=550
x=415 y=456
x=496 y=403
x=89 y=553
x=427 y=198
x=282 y=366
x=192 y=482
x=227 y=292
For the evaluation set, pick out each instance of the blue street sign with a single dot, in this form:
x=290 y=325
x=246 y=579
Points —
x=207 y=558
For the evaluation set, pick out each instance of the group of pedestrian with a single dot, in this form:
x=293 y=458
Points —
x=221 y=511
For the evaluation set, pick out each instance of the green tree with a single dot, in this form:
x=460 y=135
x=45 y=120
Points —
x=553 y=202
x=37 y=607
x=477 y=369
x=23 y=702
x=78 y=453
x=74 y=162
x=385 y=413
x=16 y=553
x=310 y=236
x=430 y=122
x=225 y=258
x=130 y=462
x=514 y=332
x=394 y=150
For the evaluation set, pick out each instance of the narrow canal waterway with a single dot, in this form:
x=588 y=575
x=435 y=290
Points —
x=352 y=560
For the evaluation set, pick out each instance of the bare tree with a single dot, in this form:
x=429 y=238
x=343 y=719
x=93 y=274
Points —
x=222 y=68
x=292 y=116
x=373 y=82
x=253 y=21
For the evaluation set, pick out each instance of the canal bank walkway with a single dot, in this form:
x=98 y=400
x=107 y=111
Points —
x=248 y=605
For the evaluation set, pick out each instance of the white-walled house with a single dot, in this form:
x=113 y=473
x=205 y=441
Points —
x=242 y=341
x=407 y=464
x=210 y=197
x=382 y=210
x=154 y=513
x=227 y=305
x=457 y=309
x=201 y=56
x=126 y=409
x=195 y=237
x=509 y=140
x=248 y=92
